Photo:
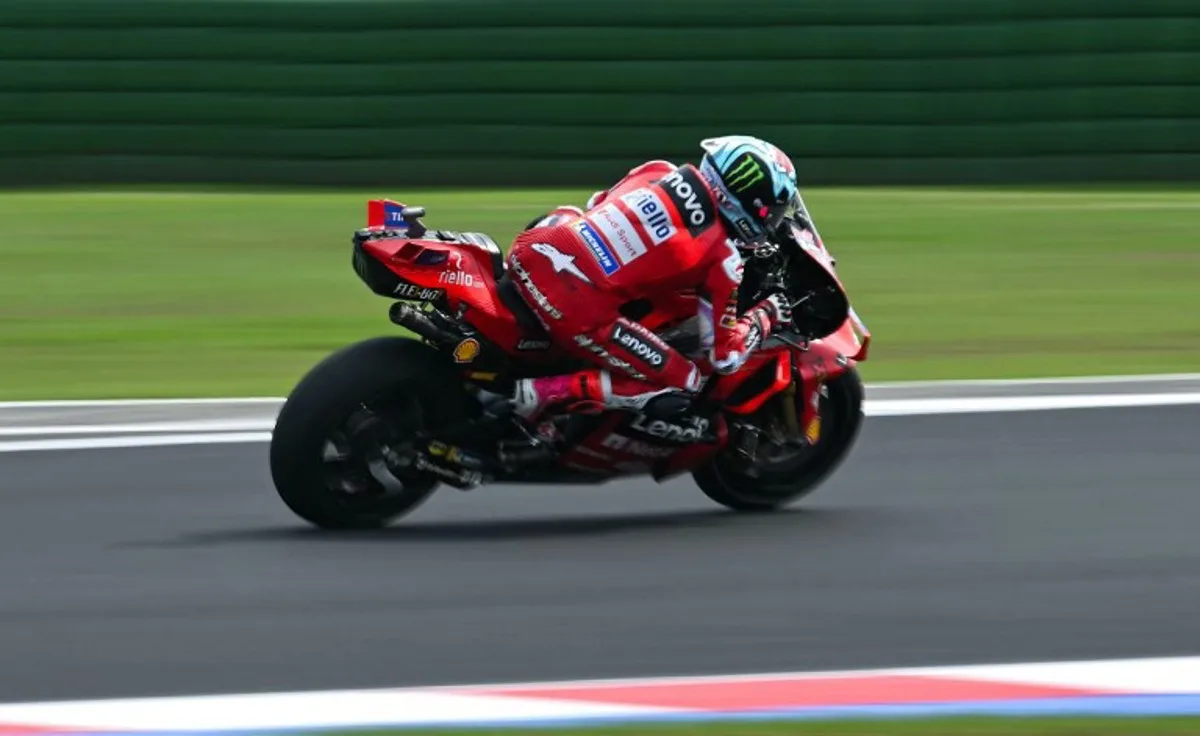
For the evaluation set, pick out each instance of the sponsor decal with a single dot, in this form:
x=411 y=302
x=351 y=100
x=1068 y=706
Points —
x=744 y=173
x=729 y=317
x=813 y=432
x=462 y=278
x=561 y=261
x=393 y=216
x=525 y=344
x=652 y=213
x=636 y=447
x=622 y=365
x=534 y=291
x=649 y=353
x=689 y=195
x=783 y=163
x=405 y=290
x=600 y=251
x=466 y=351
x=685 y=433
x=747 y=230
x=618 y=232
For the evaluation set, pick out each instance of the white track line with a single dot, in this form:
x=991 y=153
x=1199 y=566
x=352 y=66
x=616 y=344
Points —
x=138 y=403
x=213 y=425
x=990 y=404
x=147 y=440
x=1052 y=381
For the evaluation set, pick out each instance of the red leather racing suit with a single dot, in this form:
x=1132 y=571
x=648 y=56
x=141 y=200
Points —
x=656 y=232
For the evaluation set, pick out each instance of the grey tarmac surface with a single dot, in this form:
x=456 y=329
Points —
x=944 y=540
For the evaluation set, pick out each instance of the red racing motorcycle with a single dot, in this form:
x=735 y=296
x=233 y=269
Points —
x=375 y=428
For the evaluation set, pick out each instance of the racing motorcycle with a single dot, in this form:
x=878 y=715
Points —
x=375 y=428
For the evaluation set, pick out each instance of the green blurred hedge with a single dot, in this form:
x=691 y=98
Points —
x=495 y=92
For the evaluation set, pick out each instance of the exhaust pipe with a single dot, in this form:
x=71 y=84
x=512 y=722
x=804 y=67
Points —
x=413 y=319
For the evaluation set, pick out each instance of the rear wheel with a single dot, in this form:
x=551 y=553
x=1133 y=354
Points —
x=325 y=457
x=784 y=480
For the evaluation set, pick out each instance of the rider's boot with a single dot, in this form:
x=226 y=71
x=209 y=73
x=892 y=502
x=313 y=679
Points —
x=584 y=391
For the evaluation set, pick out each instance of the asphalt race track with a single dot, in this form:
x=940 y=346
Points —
x=945 y=540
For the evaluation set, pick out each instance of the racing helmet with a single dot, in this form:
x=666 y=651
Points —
x=755 y=184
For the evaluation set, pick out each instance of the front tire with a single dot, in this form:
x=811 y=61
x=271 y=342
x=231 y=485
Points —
x=841 y=419
x=405 y=383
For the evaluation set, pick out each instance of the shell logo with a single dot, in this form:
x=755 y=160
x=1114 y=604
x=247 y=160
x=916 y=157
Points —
x=466 y=351
x=813 y=433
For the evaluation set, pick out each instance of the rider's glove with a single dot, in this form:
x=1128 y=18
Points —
x=779 y=309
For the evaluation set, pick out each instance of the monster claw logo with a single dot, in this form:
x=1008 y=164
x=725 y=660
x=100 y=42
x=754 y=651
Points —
x=745 y=174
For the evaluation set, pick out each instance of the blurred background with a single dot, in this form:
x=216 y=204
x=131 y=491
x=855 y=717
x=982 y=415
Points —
x=1008 y=184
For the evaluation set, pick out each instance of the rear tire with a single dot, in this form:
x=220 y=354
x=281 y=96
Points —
x=404 y=381
x=841 y=419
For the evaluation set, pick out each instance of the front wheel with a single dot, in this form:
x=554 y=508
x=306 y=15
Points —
x=323 y=457
x=782 y=482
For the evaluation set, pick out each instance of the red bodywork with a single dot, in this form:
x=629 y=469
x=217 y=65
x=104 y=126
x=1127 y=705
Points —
x=465 y=267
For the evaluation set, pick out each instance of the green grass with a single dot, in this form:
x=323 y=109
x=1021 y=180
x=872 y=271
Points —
x=230 y=292
x=1147 y=726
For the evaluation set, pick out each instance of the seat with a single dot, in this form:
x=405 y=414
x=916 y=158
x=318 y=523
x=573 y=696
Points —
x=481 y=241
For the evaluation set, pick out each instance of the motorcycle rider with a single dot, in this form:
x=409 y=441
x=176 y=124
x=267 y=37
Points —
x=662 y=229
